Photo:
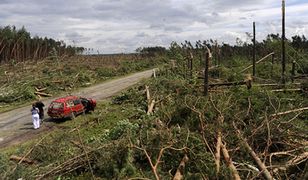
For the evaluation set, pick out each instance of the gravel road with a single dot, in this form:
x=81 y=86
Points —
x=16 y=125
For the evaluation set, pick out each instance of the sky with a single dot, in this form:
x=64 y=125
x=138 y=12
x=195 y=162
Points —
x=121 y=26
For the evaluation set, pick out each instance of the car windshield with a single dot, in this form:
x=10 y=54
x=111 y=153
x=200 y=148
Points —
x=56 y=105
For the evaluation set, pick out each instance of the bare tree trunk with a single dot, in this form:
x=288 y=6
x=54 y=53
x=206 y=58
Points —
x=261 y=165
x=180 y=171
x=230 y=163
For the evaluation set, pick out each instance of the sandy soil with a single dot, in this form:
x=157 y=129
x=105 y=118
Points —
x=16 y=125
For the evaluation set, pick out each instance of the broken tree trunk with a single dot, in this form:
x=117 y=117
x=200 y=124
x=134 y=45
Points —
x=21 y=159
x=275 y=85
x=247 y=82
x=217 y=153
x=220 y=120
x=43 y=94
x=151 y=107
x=180 y=171
x=151 y=102
x=148 y=93
x=154 y=73
x=287 y=90
x=228 y=84
x=230 y=163
x=262 y=59
x=300 y=76
x=40 y=90
x=288 y=112
x=261 y=165
x=206 y=72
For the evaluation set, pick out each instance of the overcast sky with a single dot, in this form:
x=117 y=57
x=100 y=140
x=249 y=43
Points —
x=114 y=26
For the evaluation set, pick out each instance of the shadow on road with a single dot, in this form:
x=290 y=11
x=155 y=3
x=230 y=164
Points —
x=57 y=121
x=26 y=128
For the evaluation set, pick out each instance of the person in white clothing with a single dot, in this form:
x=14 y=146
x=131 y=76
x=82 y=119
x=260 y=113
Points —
x=35 y=117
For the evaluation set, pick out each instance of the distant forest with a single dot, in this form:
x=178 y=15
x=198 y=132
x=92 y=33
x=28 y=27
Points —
x=17 y=45
x=297 y=44
x=296 y=49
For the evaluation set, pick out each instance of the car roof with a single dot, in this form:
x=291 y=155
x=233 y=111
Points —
x=64 y=99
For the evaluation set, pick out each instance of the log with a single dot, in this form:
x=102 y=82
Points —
x=151 y=107
x=288 y=112
x=217 y=153
x=228 y=84
x=257 y=62
x=287 y=90
x=40 y=90
x=206 y=72
x=151 y=102
x=21 y=159
x=148 y=94
x=281 y=85
x=300 y=76
x=180 y=171
x=220 y=120
x=229 y=162
x=154 y=73
x=43 y=94
x=261 y=165
x=247 y=82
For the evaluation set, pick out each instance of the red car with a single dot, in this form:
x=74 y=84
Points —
x=70 y=106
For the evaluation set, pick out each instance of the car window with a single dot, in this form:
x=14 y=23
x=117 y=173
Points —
x=56 y=105
x=76 y=102
x=69 y=103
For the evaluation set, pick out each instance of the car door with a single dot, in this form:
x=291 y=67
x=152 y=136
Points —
x=70 y=106
x=78 y=106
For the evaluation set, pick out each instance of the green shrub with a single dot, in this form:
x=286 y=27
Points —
x=105 y=72
x=3 y=164
x=123 y=127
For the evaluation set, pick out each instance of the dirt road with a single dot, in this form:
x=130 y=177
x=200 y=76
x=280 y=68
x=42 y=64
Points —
x=16 y=125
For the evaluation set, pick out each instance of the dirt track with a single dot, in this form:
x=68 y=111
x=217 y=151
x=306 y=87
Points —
x=16 y=125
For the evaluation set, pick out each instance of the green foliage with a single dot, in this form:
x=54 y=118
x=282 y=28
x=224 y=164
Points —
x=123 y=127
x=3 y=163
x=302 y=66
x=105 y=72
x=152 y=51
x=55 y=150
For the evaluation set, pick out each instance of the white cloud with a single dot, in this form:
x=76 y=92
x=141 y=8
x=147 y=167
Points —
x=113 y=26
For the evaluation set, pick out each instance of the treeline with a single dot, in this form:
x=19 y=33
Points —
x=223 y=53
x=298 y=44
x=151 y=51
x=17 y=45
x=270 y=44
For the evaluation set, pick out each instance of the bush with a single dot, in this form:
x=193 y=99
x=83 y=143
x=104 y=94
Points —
x=123 y=127
x=3 y=164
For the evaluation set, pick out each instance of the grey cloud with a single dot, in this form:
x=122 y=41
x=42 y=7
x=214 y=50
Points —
x=76 y=37
x=111 y=25
x=141 y=35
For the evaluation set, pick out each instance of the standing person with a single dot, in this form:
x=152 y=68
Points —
x=40 y=105
x=35 y=117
